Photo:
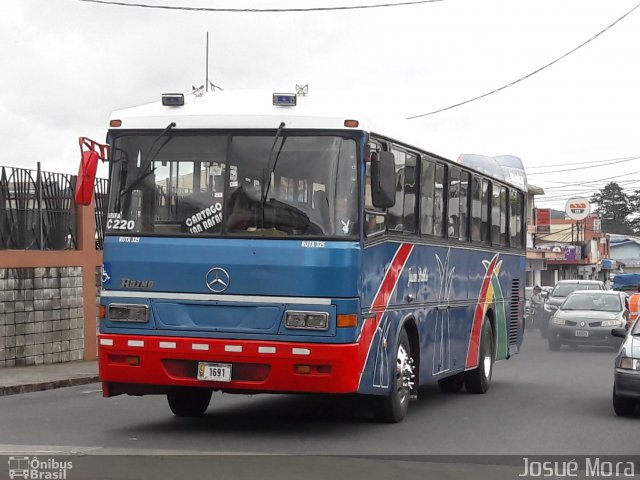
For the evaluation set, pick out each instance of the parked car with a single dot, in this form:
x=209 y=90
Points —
x=586 y=317
x=626 y=386
x=564 y=288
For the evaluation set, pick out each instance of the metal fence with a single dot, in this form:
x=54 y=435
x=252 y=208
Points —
x=37 y=210
x=100 y=193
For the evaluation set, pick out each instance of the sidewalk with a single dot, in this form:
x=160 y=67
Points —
x=33 y=378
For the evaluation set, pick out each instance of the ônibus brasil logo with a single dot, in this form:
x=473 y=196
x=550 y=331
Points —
x=36 y=469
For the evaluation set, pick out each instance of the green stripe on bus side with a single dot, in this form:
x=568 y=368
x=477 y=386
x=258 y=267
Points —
x=501 y=319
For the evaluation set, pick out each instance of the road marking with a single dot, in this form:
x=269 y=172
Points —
x=8 y=449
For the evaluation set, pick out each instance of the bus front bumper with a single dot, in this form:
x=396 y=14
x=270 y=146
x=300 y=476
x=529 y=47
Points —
x=139 y=365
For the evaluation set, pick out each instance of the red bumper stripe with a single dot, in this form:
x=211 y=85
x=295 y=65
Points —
x=333 y=364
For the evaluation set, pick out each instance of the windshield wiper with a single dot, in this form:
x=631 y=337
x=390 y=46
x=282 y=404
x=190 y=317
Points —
x=145 y=165
x=271 y=167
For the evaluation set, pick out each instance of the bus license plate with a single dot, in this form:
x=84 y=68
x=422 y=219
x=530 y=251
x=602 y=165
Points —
x=582 y=333
x=217 y=372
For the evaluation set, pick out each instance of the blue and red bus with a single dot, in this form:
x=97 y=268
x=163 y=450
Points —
x=263 y=243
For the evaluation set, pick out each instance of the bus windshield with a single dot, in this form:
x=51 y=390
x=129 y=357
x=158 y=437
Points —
x=207 y=183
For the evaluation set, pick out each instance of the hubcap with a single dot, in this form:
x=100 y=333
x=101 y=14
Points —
x=405 y=376
x=487 y=365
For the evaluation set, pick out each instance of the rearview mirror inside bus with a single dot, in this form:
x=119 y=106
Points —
x=383 y=180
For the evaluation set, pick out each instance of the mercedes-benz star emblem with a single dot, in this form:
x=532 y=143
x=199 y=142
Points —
x=217 y=280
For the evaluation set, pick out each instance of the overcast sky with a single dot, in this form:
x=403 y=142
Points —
x=67 y=64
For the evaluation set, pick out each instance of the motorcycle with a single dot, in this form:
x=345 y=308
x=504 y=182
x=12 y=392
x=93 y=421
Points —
x=535 y=317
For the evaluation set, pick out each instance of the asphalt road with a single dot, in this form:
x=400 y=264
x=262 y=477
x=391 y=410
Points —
x=540 y=402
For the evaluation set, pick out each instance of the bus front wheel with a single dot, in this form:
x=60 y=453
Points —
x=478 y=379
x=393 y=408
x=189 y=402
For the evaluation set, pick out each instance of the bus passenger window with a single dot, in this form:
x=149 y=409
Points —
x=515 y=226
x=438 y=202
x=453 y=210
x=426 y=196
x=394 y=214
x=464 y=214
x=484 y=231
x=495 y=214
x=476 y=209
x=504 y=239
x=409 y=214
x=375 y=219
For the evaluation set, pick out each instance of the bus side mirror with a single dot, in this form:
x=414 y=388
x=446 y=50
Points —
x=86 y=178
x=383 y=180
x=91 y=152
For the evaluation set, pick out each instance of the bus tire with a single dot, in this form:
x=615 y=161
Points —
x=189 y=402
x=479 y=379
x=393 y=408
x=452 y=384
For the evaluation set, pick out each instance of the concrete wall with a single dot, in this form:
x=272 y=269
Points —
x=41 y=315
x=48 y=301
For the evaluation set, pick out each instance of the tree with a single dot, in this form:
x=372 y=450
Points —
x=614 y=207
x=634 y=218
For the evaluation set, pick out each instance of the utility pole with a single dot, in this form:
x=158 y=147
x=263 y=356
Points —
x=206 y=82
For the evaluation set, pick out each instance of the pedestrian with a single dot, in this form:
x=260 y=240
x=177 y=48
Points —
x=634 y=307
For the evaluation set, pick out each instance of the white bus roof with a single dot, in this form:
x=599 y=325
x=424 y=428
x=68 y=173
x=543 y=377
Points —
x=254 y=109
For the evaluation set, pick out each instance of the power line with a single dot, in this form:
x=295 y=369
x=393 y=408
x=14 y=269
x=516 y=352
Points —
x=569 y=184
x=558 y=196
x=576 y=186
x=257 y=10
x=612 y=162
x=616 y=176
x=628 y=190
x=602 y=161
x=528 y=75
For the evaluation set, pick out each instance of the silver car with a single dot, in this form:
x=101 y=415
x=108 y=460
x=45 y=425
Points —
x=564 y=288
x=586 y=317
x=626 y=388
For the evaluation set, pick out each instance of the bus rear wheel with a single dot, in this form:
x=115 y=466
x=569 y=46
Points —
x=479 y=379
x=393 y=408
x=189 y=402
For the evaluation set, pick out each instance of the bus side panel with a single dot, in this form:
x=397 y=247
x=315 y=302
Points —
x=448 y=292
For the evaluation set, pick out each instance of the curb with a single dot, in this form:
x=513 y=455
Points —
x=37 y=387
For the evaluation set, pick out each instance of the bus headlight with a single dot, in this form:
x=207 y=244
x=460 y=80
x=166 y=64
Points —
x=307 y=320
x=128 y=313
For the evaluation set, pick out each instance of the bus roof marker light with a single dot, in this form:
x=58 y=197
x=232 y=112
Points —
x=172 y=99
x=351 y=123
x=285 y=99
